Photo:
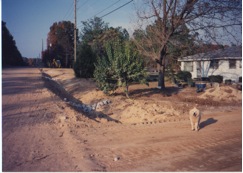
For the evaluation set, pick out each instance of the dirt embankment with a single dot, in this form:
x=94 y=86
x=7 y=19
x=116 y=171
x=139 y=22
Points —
x=147 y=103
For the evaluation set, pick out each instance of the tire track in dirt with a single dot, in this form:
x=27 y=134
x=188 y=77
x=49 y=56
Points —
x=34 y=136
x=156 y=153
x=158 y=149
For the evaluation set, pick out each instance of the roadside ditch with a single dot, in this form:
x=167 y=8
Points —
x=88 y=110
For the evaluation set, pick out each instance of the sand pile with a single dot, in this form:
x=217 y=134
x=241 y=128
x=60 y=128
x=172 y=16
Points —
x=222 y=93
x=140 y=111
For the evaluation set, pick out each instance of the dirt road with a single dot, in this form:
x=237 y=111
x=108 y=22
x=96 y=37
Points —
x=42 y=133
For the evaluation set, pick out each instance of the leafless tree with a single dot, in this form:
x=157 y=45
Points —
x=208 y=18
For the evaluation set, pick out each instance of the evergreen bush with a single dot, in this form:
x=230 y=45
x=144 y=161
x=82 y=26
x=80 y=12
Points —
x=184 y=75
x=216 y=78
x=228 y=82
x=84 y=65
x=104 y=74
x=120 y=68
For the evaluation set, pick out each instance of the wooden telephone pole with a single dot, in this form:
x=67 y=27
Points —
x=75 y=29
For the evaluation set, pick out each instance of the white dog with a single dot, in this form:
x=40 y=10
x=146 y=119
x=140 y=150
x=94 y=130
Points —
x=195 y=117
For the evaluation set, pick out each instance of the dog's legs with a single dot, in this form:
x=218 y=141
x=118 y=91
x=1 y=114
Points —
x=198 y=123
x=197 y=126
x=192 y=124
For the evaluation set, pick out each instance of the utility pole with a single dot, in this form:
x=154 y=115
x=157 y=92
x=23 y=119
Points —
x=42 y=51
x=75 y=30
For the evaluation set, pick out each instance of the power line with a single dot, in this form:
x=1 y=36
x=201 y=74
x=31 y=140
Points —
x=83 y=4
x=110 y=11
x=69 y=11
x=107 y=7
x=116 y=9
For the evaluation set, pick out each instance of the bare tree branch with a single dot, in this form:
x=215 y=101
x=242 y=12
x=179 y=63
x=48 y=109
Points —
x=200 y=16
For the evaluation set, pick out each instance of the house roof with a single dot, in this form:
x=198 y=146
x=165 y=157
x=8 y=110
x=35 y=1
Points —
x=234 y=52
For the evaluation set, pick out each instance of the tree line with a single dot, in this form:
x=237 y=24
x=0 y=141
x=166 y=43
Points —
x=11 y=56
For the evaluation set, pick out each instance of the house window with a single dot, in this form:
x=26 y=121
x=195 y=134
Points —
x=232 y=63
x=214 y=64
x=188 y=66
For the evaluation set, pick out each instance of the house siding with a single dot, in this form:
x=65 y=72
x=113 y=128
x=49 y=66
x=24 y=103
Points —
x=223 y=69
x=226 y=72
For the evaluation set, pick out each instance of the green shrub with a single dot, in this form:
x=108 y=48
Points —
x=84 y=65
x=216 y=78
x=190 y=82
x=205 y=79
x=121 y=67
x=104 y=74
x=228 y=82
x=184 y=75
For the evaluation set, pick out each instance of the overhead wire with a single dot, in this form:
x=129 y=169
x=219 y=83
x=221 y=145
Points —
x=83 y=4
x=69 y=11
x=117 y=8
x=107 y=8
x=80 y=6
x=102 y=10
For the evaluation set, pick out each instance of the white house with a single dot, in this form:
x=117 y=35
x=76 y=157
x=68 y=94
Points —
x=226 y=62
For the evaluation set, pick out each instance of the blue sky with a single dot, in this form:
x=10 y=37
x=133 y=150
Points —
x=29 y=20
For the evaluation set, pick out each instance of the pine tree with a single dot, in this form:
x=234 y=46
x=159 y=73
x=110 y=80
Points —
x=10 y=52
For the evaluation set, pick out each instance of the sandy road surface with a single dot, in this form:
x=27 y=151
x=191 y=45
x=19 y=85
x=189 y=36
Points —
x=32 y=124
x=42 y=133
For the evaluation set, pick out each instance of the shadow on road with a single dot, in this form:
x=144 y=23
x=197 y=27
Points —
x=207 y=122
